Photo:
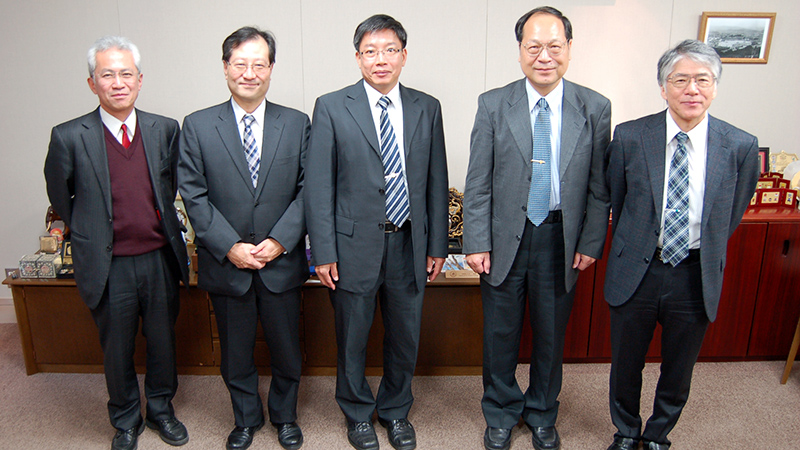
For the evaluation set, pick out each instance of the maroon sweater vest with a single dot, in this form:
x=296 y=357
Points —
x=137 y=228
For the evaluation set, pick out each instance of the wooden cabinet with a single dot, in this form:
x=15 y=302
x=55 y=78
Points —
x=758 y=312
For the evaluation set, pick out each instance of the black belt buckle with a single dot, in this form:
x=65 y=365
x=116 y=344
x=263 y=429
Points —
x=389 y=227
x=553 y=217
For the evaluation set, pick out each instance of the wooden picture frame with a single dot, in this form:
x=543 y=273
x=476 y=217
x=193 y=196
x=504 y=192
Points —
x=738 y=37
x=763 y=159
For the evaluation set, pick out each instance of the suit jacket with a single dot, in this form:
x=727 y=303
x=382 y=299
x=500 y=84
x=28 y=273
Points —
x=223 y=206
x=636 y=166
x=499 y=176
x=79 y=188
x=345 y=199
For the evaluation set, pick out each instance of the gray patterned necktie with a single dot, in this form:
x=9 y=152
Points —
x=676 y=222
x=539 y=193
x=396 y=197
x=251 y=148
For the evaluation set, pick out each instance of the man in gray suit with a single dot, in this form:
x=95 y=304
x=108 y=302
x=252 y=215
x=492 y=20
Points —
x=241 y=178
x=535 y=214
x=680 y=181
x=376 y=207
x=111 y=176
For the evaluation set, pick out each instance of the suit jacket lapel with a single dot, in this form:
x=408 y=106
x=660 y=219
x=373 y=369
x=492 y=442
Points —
x=229 y=133
x=519 y=120
x=716 y=150
x=572 y=122
x=151 y=150
x=358 y=106
x=94 y=142
x=273 y=127
x=412 y=113
x=654 y=146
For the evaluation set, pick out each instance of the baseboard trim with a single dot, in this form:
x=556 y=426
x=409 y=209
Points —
x=7 y=314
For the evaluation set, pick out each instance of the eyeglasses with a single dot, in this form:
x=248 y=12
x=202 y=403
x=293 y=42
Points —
x=109 y=76
x=389 y=53
x=554 y=48
x=240 y=67
x=703 y=81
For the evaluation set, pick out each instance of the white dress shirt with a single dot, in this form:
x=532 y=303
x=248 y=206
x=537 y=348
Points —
x=696 y=150
x=395 y=112
x=114 y=125
x=554 y=101
x=257 y=126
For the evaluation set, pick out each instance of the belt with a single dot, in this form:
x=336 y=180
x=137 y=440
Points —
x=693 y=256
x=389 y=227
x=553 y=217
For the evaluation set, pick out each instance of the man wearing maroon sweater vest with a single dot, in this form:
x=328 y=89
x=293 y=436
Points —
x=111 y=176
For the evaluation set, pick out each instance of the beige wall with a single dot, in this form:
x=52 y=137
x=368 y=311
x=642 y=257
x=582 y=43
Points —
x=457 y=49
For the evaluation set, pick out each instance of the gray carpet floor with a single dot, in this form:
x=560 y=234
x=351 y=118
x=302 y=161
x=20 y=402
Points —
x=732 y=406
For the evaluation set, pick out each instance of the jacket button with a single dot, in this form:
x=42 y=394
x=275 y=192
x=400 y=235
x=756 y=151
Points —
x=256 y=204
x=647 y=260
x=519 y=238
x=381 y=191
x=657 y=231
x=524 y=208
x=108 y=248
x=380 y=226
x=252 y=235
x=110 y=221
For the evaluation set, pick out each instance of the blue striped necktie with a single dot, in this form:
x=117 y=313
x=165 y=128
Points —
x=539 y=193
x=396 y=197
x=251 y=148
x=675 y=246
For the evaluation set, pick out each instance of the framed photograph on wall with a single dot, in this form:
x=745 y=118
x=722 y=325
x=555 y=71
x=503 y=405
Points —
x=738 y=37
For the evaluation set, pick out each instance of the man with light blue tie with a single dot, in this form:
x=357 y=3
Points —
x=376 y=200
x=535 y=215
x=680 y=181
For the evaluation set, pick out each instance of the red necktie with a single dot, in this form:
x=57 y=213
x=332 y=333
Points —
x=126 y=141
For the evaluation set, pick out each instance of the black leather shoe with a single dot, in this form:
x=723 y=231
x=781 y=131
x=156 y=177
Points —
x=497 y=438
x=171 y=430
x=289 y=435
x=362 y=435
x=401 y=433
x=648 y=445
x=545 y=438
x=624 y=443
x=127 y=439
x=241 y=437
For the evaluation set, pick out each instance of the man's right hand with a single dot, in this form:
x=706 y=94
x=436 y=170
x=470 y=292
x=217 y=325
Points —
x=241 y=257
x=479 y=262
x=328 y=274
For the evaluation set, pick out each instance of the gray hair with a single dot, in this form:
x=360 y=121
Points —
x=109 y=42
x=696 y=51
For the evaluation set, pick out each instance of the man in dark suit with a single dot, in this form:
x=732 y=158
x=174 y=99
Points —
x=376 y=207
x=241 y=178
x=111 y=176
x=680 y=181
x=535 y=214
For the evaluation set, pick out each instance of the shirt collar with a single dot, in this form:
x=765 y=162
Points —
x=114 y=125
x=373 y=95
x=554 y=98
x=697 y=135
x=258 y=113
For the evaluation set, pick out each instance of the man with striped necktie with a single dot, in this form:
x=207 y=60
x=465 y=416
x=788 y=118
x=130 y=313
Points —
x=376 y=201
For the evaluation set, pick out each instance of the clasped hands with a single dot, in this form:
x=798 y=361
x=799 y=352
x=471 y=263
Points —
x=248 y=256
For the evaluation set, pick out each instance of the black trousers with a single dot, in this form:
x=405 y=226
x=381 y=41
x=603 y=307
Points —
x=139 y=286
x=401 y=310
x=237 y=322
x=537 y=275
x=673 y=297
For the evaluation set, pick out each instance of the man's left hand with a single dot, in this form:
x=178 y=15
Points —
x=582 y=261
x=267 y=250
x=434 y=267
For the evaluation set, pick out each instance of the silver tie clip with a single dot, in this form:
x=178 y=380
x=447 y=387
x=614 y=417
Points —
x=540 y=161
